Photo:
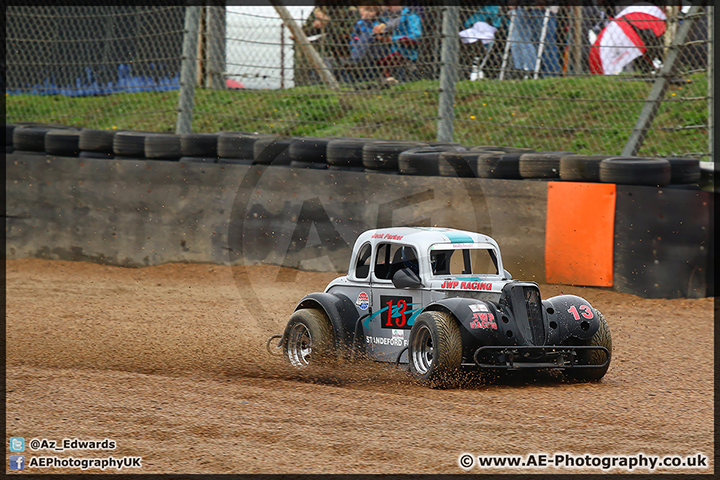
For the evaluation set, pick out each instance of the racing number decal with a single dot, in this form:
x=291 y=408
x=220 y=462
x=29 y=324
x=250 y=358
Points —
x=397 y=311
x=586 y=312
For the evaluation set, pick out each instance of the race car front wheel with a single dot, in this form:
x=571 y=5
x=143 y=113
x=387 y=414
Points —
x=435 y=349
x=308 y=338
x=602 y=338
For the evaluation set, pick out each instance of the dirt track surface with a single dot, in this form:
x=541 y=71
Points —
x=170 y=363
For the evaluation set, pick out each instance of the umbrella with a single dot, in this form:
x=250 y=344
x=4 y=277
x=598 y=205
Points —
x=624 y=38
x=230 y=83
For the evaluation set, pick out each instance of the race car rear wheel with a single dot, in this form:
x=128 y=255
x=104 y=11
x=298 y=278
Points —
x=308 y=338
x=435 y=349
x=601 y=338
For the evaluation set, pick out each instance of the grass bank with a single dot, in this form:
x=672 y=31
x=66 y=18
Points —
x=586 y=115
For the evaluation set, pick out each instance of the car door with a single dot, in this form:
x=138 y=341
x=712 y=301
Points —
x=387 y=329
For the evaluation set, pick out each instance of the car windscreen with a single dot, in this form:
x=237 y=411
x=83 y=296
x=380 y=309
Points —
x=473 y=260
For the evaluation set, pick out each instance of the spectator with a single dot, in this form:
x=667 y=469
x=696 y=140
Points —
x=328 y=27
x=361 y=63
x=526 y=30
x=400 y=30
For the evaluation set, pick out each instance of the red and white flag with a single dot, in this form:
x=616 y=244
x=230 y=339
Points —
x=619 y=43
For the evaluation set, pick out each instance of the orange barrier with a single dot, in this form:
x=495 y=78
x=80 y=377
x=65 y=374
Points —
x=579 y=237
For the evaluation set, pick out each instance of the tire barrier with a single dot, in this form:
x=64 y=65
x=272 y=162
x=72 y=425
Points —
x=540 y=164
x=382 y=156
x=309 y=152
x=199 y=145
x=100 y=141
x=273 y=150
x=62 y=142
x=128 y=144
x=423 y=160
x=581 y=168
x=635 y=171
x=162 y=146
x=497 y=164
x=458 y=164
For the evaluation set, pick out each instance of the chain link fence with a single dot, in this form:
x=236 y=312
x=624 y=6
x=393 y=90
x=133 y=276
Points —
x=575 y=78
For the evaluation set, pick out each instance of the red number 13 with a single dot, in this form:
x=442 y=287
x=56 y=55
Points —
x=586 y=312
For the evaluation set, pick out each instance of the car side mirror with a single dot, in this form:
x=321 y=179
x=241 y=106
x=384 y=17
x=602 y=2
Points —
x=406 y=278
x=507 y=275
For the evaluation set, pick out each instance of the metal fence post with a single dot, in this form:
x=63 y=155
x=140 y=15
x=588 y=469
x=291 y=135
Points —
x=215 y=45
x=448 y=73
x=188 y=70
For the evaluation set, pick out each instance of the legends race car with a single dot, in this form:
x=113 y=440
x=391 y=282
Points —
x=437 y=300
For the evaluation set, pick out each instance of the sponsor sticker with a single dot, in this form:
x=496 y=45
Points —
x=363 y=301
x=478 y=307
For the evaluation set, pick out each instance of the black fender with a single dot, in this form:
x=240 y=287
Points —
x=569 y=316
x=479 y=322
x=342 y=314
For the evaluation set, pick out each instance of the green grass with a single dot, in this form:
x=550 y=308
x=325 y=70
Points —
x=586 y=115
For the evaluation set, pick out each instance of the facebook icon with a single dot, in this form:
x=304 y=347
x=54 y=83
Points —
x=17 y=462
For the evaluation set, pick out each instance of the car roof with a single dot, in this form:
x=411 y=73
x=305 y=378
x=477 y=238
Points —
x=424 y=237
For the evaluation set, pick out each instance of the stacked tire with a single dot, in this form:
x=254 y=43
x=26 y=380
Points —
x=346 y=154
x=199 y=148
x=237 y=147
x=309 y=152
x=96 y=143
x=382 y=156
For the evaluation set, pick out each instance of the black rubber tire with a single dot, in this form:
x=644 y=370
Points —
x=311 y=329
x=198 y=160
x=97 y=140
x=312 y=165
x=423 y=160
x=199 y=144
x=498 y=165
x=63 y=143
x=635 y=171
x=541 y=164
x=238 y=145
x=309 y=150
x=684 y=170
x=439 y=332
x=273 y=150
x=346 y=152
x=458 y=164
x=581 y=168
x=129 y=144
x=29 y=138
x=86 y=154
x=162 y=146
x=602 y=338
x=383 y=154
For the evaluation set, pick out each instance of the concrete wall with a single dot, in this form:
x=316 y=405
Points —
x=141 y=212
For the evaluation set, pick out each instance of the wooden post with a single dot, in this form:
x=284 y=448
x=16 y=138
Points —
x=308 y=50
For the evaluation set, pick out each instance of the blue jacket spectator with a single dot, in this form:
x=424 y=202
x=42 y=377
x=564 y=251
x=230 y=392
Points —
x=489 y=14
x=407 y=34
